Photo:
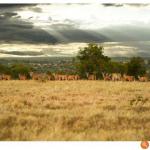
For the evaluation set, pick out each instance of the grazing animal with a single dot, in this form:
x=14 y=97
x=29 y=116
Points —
x=91 y=77
x=6 y=77
x=38 y=76
x=66 y=77
x=77 y=77
x=143 y=79
x=128 y=78
x=116 y=76
x=22 y=77
x=71 y=77
x=43 y=77
x=63 y=77
x=60 y=77
x=106 y=76
x=56 y=76
x=50 y=77
x=34 y=76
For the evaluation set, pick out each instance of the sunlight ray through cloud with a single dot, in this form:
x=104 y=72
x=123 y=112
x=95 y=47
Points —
x=65 y=27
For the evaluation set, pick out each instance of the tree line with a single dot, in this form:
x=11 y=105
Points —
x=89 y=60
x=16 y=69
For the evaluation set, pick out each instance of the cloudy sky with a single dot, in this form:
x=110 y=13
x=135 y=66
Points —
x=60 y=29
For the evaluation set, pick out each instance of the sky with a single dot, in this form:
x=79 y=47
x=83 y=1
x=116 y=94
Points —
x=56 y=29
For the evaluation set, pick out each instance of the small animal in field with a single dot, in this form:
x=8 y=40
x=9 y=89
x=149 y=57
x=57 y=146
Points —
x=91 y=77
x=6 y=77
x=56 y=76
x=106 y=76
x=22 y=77
x=77 y=77
x=128 y=78
x=63 y=77
x=71 y=77
x=143 y=79
x=59 y=76
x=34 y=76
x=116 y=77
x=50 y=77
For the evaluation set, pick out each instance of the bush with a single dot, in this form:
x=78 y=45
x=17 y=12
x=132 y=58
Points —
x=17 y=69
x=136 y=67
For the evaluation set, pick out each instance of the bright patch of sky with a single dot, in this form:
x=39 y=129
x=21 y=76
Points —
x=87 y=16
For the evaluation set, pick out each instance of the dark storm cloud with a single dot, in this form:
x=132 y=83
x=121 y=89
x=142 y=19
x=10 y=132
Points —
x=68 y=33
x=77 y=35
x=12 y=28
x=65 y=33
x=127 y=33
x=27 y=33
x=16 y=6
x=44 y=52
x=22 y=53
x=24 y=32
x=112 y=5
x=72 y=33
x=7 y=15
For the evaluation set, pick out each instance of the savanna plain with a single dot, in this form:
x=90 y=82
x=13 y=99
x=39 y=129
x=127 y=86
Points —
x=74 y=110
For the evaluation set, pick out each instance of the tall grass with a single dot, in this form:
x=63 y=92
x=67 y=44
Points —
x=74 y=110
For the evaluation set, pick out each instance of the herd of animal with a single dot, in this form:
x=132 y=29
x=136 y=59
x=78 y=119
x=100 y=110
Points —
x=106 y=77
x=124 y=77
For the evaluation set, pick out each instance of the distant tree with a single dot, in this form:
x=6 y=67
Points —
x=118 y=67
x=17 y=69
x=91 y=60
x=136 y=67
x=4 y=69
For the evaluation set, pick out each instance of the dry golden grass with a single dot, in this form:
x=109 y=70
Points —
x=74 y=110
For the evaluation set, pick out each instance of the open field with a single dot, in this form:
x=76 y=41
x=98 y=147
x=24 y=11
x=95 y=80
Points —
x=74 y=110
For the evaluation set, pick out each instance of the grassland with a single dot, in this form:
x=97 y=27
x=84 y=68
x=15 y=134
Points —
x=74 y=110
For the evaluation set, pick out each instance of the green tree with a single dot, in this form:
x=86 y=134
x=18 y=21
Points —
x=118 y=67
x=17 y=69
x=136 y=67
x=4 y=69
x=91 y=59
